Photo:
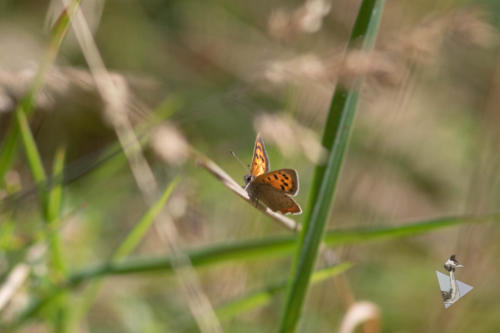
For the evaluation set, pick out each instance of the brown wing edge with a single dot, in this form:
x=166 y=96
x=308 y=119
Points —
x=296 y=209
x=296 y=176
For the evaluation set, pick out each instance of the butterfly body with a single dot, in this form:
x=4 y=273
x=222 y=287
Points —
x=273 y=188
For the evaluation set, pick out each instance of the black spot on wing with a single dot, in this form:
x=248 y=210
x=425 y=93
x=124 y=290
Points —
x=282 y=187
x=285 y=183
x=285 y=176
x=275 y=176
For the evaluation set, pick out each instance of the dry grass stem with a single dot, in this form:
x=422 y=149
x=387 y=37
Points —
x=14 y=280
x=19 y=274
x=231 y=184
x=112 y=94
x=361 y=312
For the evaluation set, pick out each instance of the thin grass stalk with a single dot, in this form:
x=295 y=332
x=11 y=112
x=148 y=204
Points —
x=49 y=200
x=236 y=188
x=50 y=203
x=34 y=159
x=335 y=138
x=54 y=203
x=273 y=247
x=263 y=297
x=268 y=248
x=131 y=241
x=57 y=265
x=135 y=236
x=189 y=283
x=25 y=106
x=276 y=246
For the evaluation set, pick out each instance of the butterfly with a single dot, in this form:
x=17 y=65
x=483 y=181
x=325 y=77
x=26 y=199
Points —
x=274 y=189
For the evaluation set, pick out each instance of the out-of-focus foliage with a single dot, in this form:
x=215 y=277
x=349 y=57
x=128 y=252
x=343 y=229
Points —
x=424 y=144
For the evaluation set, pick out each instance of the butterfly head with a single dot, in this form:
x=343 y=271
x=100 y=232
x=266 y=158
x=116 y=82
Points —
x=248 y=178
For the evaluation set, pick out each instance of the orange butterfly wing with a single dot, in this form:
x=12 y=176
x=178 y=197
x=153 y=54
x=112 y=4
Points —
x=272 y=188
x=285 y=180
x=260 y=161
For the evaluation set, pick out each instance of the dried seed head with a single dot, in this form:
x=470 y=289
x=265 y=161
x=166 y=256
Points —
x=290 y=137
x=169 y=144
x=374 y=65
x=307 y=18
x=116 y=95
x=361 y=312
x=422 y=44
x=310 y=16
x=307 y=66
x=472 y=27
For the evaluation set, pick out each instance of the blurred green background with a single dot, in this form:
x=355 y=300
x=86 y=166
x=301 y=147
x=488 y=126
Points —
x=425 y=144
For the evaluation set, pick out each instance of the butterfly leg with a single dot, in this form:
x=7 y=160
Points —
x=254 y=201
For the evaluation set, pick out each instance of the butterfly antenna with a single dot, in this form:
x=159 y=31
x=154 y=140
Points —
x=246 y=167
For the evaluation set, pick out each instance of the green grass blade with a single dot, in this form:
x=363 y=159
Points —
x=7 y=152
x=353 y=236
x=264 y=297
x=53 y=217
x=25 y=106
x=364 y=32
x=50 y=200
x=268 y=248
x=33 y=156
x=273 y=247
x=335 y=138
x=57 y=265
x=137 y=233
x=81 y=307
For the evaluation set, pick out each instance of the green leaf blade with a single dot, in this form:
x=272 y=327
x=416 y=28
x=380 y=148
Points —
x=335 y=138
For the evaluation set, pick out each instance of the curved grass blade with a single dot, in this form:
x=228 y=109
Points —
x=273 y=247
x=268 y=248
x=25 y=106
x=134 y=237
x=264 y=296
x=335 y=138
x=140 y=229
